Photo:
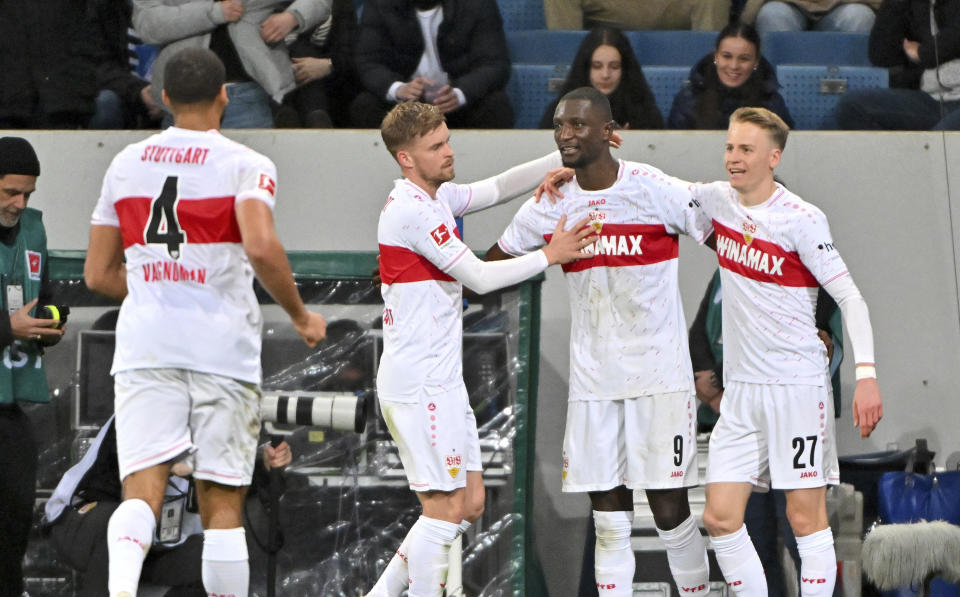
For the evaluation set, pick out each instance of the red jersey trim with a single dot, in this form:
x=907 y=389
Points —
x=205 y=221
x=399 y=266
x=761 y=260
x=624 y=245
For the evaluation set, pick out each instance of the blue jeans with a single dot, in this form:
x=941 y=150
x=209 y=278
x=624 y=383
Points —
x=783 y=16
x=895 y=110
x=248 y=107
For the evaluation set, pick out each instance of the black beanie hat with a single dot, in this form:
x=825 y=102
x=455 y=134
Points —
x=18 y=157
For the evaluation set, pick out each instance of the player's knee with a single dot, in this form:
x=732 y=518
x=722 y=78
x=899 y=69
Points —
x=719 y=524
x=804 y=522
x=670 y=508
x=613 y=529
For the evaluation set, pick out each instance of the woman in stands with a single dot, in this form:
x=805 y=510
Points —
x=606 y=61
x=733 y=76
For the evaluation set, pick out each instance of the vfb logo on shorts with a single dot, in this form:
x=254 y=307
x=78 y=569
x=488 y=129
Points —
x=566 y=466
x=454 y=463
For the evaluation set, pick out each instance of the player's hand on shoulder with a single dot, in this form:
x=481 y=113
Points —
x=551 y=184
x=867 y=406
x=567 y=245
x=312 y=328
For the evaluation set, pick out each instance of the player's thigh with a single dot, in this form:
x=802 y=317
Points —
x=434 y=438
x=594 y=450
x=802 y=442
x=661 y=440
x=738 y=444
x=225 y=421
x=152 y=417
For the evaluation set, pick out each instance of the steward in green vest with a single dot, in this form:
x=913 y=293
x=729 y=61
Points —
x=23 y=281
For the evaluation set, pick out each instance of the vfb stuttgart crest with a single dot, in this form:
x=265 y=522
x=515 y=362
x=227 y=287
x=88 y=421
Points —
x=749 y=229
x=454 y=463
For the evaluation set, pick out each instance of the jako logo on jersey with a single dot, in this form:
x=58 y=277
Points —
x=593 y=202
x=33 y=265
x=440 y=235
x=616 y=244
x=676 y=474
x=266 y=183
x=808 y=474
x=748 y=256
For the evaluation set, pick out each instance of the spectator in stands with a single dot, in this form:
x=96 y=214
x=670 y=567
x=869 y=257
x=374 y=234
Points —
x=247 y=37
x=450 y=53
x=701 y=15
x=123 y=99
x=324 y=70
x=47 y=69
x=733 y=76
x=851 y=16
x=923 y=55
x=606 y=61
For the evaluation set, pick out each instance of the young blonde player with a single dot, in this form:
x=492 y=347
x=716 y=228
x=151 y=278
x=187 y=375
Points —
x=423 y=265
x=184 y=221
x=776 y=418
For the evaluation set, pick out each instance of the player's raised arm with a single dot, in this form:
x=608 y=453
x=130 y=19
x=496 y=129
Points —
x=867 y=403
x=269 y=261
x=511 y=183
x=565 y=246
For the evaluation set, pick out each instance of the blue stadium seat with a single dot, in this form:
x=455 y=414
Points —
x=543 y=46
x=816 y=47
x=522 y=14
x=812 y=92
x=532 y=87
x=146 y=54
x=671 y=48
x=666 y=82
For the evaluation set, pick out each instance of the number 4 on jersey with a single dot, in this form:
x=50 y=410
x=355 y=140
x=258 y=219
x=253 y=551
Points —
x=163 y=226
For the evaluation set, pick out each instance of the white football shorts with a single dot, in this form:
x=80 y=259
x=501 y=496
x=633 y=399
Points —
x=779 y=435
x=167 y=414
x=436 y=437
x=647 y=442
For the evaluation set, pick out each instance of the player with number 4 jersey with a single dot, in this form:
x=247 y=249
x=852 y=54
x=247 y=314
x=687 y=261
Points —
x=183 y=223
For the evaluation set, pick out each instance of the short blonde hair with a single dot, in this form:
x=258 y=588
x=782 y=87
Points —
x=407 y=121
x=765 y=119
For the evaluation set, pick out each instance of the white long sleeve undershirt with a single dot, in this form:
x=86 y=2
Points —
x=511 y=183
x=483 y=276
x=856 y=317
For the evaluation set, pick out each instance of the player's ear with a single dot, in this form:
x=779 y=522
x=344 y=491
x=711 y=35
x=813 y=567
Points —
x=165 y=98
x=404 y=158
x=775 y=155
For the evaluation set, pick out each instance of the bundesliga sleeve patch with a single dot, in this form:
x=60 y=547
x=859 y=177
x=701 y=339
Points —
x=440 y=235
x=267 y=184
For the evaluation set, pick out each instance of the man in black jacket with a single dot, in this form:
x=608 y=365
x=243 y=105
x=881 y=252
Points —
x=923 y=55
x=451 y=53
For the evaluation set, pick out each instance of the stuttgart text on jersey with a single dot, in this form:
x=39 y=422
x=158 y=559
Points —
x=175 y=155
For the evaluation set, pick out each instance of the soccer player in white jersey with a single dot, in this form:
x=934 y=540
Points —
x=191 y=214
x=423 y=265
x=776 y=418
x=631 y=417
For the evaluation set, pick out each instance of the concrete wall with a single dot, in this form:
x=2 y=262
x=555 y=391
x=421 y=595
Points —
x=893 y=200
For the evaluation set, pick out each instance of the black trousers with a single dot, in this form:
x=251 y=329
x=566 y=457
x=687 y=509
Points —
x=493 y=111
x=81 y=540
x=18 y=480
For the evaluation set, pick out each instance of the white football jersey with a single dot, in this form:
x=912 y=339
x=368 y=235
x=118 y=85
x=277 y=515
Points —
x=423 y=305
x=190 y=301
x=628 y=335
x=773 y=257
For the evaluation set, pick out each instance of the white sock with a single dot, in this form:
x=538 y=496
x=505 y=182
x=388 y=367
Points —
x=740 y=563
x=396 y=576
x=430 y=541
x=818 y=564
x=687 y=555
x=614 y=563
x=129 y=536
x=225 y=568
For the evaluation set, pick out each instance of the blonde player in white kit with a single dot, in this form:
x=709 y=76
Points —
x=776 y=416
x=423 y=265
x=631 y=416
x=191 y=213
